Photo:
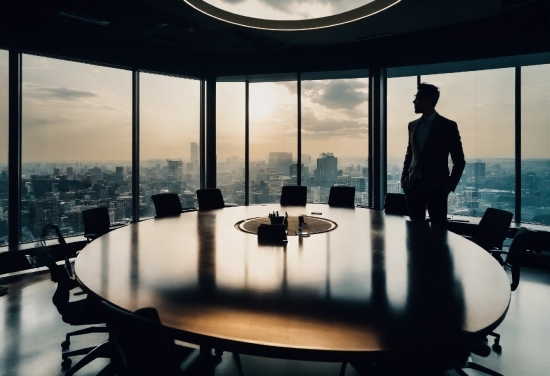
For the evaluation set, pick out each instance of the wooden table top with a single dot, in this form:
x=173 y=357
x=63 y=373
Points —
x=374 y=283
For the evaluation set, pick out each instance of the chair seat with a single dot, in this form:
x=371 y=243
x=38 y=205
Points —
x=83 y=312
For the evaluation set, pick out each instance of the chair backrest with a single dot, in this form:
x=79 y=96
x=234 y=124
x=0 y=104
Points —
x=62 y=293
x=342 y=196
x=142 y=346
x=272 y=234
x=492 y=228
x=292 y=195
x=96 y=221
x=167 y=204
x=395 y=203
x=210 y=198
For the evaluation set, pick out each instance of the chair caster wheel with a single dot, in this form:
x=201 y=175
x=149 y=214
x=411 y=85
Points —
x=497 y=348
x=66 y=363
x=65 y=344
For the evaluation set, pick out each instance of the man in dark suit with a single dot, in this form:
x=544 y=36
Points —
x=425 y=178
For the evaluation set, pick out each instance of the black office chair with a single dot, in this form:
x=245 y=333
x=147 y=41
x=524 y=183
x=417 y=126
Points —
x=294 y=195
x=142 y=346
x=167 y=204
x=96 y=222
x=491 y=231
x=342 y=196
x=395 y=203
x=82 y=312
x=210 y=198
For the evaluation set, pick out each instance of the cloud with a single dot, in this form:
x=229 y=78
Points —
x=314 y=127
x=61 y=93
x=336 y=94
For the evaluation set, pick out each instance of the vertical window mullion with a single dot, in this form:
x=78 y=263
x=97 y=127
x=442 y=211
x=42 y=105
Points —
x=14 y=153
x=135 y=145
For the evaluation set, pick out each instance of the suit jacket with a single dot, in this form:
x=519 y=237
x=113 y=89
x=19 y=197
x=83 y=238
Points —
x=432 y=162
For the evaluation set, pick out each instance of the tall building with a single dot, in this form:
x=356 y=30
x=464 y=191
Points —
x=194 y=154
x=475 y=170
x=175 y=170
x=280 y=161
x=327 y=170
x=46 y=211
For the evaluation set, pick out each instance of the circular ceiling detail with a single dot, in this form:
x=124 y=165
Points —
x=289 y=15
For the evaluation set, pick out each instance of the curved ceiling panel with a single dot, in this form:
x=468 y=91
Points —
x=372 y=7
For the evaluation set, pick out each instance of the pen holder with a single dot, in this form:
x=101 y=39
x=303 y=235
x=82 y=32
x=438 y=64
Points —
x=277 y=220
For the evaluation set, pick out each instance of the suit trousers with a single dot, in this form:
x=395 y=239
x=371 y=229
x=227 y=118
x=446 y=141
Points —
x=421 y=197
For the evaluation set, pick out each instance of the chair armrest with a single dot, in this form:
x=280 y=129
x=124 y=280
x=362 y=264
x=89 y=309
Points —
x=90 y=236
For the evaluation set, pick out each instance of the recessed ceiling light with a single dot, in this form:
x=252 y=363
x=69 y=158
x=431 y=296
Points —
x=373 y=7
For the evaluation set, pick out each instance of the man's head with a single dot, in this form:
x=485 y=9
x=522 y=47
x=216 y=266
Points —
x=426 y=98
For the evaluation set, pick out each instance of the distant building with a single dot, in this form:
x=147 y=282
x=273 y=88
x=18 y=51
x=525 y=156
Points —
x=280 y=161
x=46 y=211
x=175 y=170
x=475 y=170
x=327 y=170
x=194 y=154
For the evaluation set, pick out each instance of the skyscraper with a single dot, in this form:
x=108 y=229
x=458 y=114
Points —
x=327 y=170
x=194 y=154
x=280 y=161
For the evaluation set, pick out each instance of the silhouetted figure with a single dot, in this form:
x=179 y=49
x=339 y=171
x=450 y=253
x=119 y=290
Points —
x=425 y=178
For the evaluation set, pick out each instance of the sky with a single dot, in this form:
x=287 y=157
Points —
x=287 y=9
x=79 y=113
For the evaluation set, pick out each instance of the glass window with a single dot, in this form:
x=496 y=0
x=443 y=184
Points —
x=334 y=137
x=401 y=92
x=4 y=121
x=482 y=104
x=76 y=144
x=273 y=139
x=169 y=139
x=535 y=144
x=230 y=132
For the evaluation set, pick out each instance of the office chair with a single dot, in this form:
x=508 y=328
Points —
x=82 y=312
x=167 y=204
x=142 y=346
x=491 y=231
x=342 y=196
x=96 y=222
x=294 y=195
x=210 y=198
x=395 y=203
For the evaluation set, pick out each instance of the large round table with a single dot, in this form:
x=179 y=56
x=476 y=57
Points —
x=374 y=283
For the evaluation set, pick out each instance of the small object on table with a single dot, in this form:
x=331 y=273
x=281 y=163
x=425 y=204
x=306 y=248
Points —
x=316 y=213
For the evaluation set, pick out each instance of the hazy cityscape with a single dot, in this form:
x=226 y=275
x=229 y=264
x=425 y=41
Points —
x=58 y=192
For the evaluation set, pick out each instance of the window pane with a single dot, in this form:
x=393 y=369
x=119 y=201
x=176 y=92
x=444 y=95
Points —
x=401 y=92
x=4 y=120
x=76 y=144
x=335 y=137
x=535 y=144
x=482 y=104
x=273 y=140
x=230 y=132
x=169 y=139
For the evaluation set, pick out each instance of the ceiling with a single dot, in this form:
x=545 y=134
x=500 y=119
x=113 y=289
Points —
x=170 y=36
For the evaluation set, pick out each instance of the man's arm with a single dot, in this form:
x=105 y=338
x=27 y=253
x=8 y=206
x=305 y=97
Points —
x=457 y=156
x=408 y=157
